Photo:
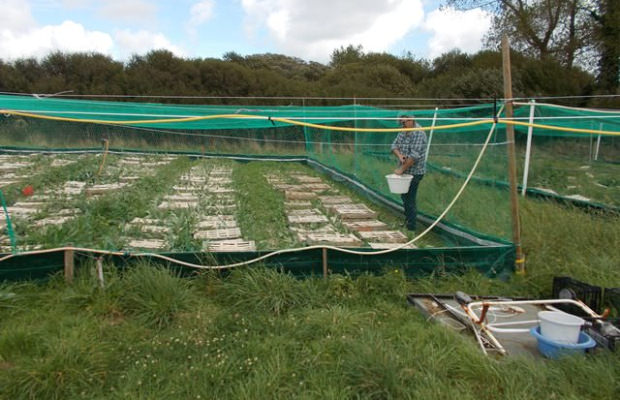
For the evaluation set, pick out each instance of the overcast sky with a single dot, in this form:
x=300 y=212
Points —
x=308 y=29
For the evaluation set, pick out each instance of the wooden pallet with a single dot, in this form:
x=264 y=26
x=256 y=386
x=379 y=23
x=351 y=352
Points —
x=218 y=234
x=365 y=225
x=317 y=187
x=218 y=224
x=157 y=229
x=334 y=239
x=353 y=211
x=327 y=200
x=230 y=246
x=308 y=179
x=181 y=197
x=304 y=211
x=155 y=244
x=52 y=221
x=294 y=195
x=294 y=204
x=175 y=205
x=384 y=236
x=307 y=219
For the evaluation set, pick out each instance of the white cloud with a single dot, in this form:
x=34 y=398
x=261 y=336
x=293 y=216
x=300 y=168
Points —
x=38 y=42
x=140 y=42
x=201 y=12
x=312 y=30
x=15 y=16
x=134 y=11
x=452 y=29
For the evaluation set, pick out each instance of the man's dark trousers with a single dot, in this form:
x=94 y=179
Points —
x=409 y=202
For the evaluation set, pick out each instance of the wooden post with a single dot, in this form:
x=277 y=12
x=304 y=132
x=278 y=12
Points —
x=324 y=262
x=512 y=160
x=69 y=266
x=100 y=272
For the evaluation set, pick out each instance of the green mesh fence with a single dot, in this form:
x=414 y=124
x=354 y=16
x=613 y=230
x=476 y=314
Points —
x=351 y=142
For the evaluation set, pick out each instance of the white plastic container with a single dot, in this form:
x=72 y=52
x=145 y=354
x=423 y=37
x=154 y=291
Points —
x=399 y=183
x=560 y=327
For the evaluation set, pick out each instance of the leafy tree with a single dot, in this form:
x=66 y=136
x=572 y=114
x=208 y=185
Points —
x=570 y=31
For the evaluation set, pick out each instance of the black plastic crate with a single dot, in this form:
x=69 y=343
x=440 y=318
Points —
x=611 y=299
x=565 y=287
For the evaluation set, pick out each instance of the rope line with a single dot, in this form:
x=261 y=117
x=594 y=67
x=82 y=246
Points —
x=312 y=125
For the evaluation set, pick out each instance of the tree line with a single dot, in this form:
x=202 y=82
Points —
x=350 y=73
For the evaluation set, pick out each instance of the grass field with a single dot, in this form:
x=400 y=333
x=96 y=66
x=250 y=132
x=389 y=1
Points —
x=256 y=333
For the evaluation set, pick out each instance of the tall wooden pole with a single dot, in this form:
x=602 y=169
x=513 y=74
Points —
x=512 y=159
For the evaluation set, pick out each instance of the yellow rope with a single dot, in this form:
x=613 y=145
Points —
x=311 y=125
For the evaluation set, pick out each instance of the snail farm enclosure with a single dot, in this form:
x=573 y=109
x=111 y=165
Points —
x=300 y=188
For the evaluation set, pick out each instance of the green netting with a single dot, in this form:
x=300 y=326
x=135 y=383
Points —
x=352 y=142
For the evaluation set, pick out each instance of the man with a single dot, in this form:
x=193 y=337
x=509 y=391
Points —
x=410 y=148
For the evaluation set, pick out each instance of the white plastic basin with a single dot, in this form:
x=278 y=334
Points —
x=560 y=327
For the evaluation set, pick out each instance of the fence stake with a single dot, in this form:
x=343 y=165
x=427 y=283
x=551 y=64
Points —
x=512 y=162
x=324 y=262
x=69 y=266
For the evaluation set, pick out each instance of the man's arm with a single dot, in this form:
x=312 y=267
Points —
x=405 y=165
x=400 y=155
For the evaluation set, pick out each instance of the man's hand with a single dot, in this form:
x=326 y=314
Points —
x=405 y=164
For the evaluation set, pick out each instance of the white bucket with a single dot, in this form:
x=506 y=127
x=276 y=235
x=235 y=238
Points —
x=399 y=183
x=559 y=326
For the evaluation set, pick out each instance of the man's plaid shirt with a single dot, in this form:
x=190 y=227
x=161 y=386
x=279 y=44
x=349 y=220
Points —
x=413 y=144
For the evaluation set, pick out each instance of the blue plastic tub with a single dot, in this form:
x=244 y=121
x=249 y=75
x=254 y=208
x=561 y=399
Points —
x=552 y=349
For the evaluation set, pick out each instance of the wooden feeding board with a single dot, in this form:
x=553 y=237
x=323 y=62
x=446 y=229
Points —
x=231 y=245
x=335 y=239
x=145 y=221
x=30 y=204
x=220 y=208
x=173 y=205
x=304 y=211
x=224 y=198
x=61 y=163
x=317 y=187
x=217 y=224
x=353 y=211
x=68 y=211
x=221 y=180
x=307 y=219
x=390 y=245
x=52 y=221
x=218 y=234
x=6 y=183
x=187 y=188
x=21 y=211
x=102 y=189
x=219 y=189
x=365 y=225
x=181 y=197
x=302 y=234
x=308 y=179
x=157 y=229
x=295 y=195
x=128 y=179
x=328 y=200
x=294 y=204
x=146 y=243
x=73 y=187
x=285 y=186
x=384 y=236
